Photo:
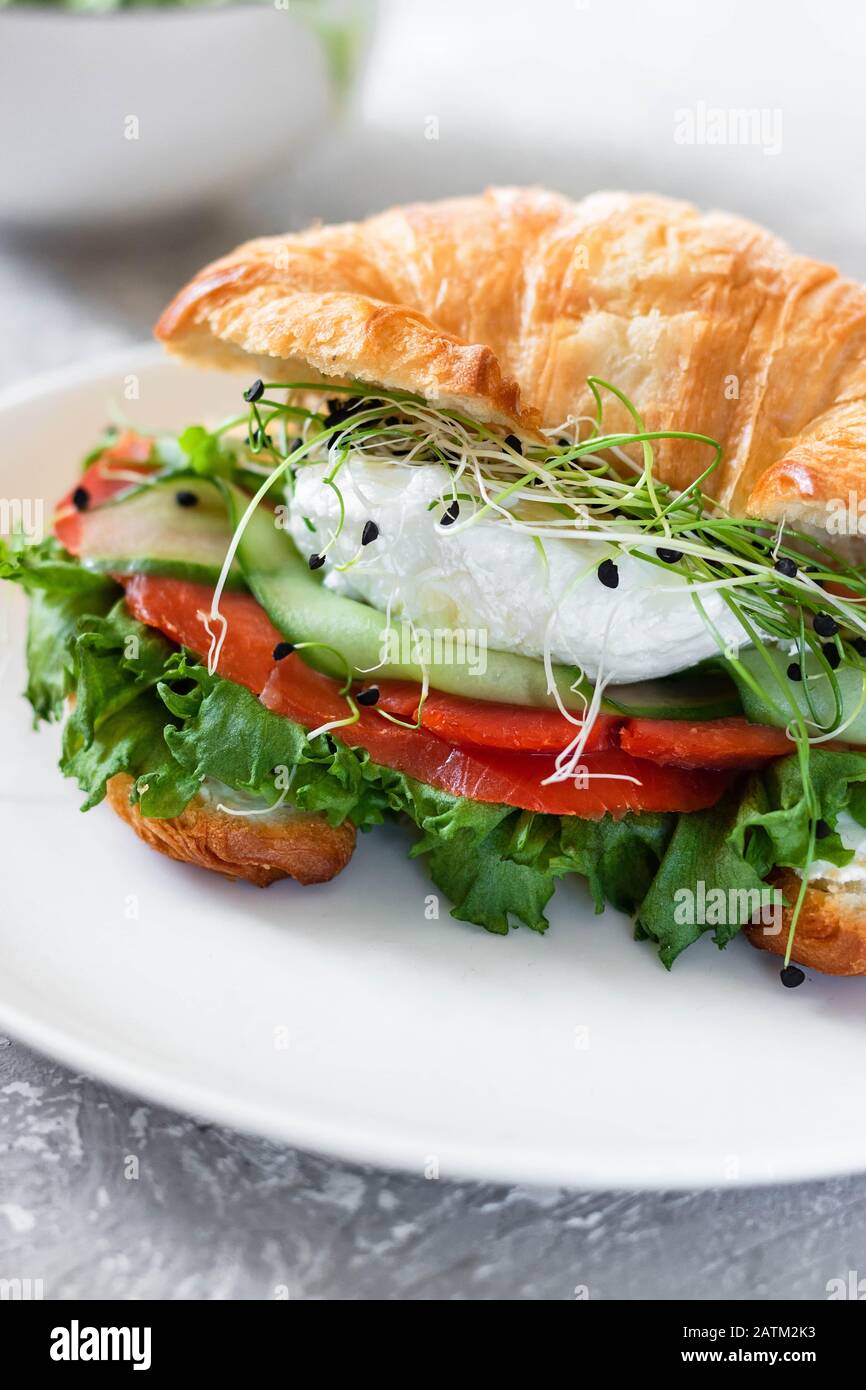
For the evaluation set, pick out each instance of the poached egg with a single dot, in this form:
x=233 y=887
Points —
x=491 y=577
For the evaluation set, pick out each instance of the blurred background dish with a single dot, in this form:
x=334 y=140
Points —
x=114 y=113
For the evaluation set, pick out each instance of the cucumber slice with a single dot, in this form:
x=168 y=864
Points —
x=777 y=710
x=303 y=610
x=148 y=532
x=687 y=697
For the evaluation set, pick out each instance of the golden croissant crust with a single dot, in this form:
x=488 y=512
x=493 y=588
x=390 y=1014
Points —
x=302 y=846
x=505 y=303
x=831 y=929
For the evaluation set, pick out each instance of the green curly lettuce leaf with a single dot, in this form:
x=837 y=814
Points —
x=61 y=594
x=758 y=826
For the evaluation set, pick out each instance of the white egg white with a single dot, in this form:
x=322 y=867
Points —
x=491 y=576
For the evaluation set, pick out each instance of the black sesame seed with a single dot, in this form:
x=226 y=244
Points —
x=792 y=976
x=369 y=533
x=831 y=655
x=452 y=511
x=608 y=574
x=295 y=444
x=282 y=650
x=563 y=442
x=514 y=443
x=338 y=411
x=794 y=672
x=255 y=392
x=316 y=561
x=370 y=696
x=670 y=557
x=81 y=499
x=859 y=645
x=822 y=830
x=786 y=566
x=186 y=499
x=825 y=625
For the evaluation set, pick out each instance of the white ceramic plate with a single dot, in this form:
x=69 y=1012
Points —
x=339 y=1017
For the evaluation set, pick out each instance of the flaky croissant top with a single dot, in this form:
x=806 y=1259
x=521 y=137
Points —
x=505 y=303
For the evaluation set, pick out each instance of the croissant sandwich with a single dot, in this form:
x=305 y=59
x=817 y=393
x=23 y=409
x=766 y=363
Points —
x=537 y=526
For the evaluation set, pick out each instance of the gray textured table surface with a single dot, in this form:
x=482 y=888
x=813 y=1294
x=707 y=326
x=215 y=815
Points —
x=215 y=1214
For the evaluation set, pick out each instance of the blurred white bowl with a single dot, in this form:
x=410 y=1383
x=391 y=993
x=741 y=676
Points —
x=137 y=113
